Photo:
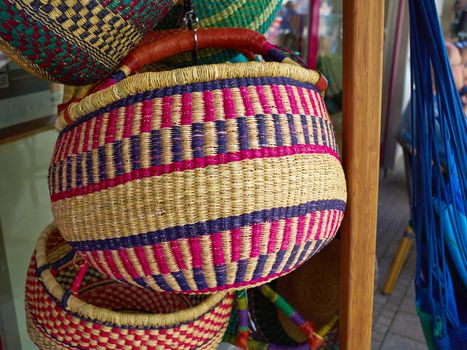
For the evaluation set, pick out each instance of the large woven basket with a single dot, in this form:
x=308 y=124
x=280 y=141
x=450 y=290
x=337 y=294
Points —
x=109 y=315
x=253 y=14
x=199 y=179
x=75 y=41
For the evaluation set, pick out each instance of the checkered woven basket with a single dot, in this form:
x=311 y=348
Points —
x=199 y=179
x=109 y=315
x=75 y=41
x=253 y=14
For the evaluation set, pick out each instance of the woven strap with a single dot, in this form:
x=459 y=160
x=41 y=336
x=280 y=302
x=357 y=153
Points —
x=314 y=340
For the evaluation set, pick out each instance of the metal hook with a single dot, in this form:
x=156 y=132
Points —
x=191 y=21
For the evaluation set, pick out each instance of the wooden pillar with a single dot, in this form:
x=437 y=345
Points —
x=362 y=84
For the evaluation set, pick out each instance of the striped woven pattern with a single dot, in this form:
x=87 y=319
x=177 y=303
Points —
x=253 y=14
x=108 y=315
x=212 y=185
x=75 y=42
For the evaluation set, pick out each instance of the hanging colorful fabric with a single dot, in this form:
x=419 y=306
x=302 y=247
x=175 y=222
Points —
x=75 y=42
x=71 y=308
x=199 y=179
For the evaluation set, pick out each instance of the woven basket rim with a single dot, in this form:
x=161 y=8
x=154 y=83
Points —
x=147 y=81
x=103 y=315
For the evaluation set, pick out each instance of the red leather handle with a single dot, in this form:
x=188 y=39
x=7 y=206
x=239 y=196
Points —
x=175 y=42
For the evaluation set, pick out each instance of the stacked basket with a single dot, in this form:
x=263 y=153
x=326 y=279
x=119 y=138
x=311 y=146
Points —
x=170 y=190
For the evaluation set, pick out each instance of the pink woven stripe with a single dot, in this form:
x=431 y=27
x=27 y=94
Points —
x=85 y=146
x=303 y=101
x=128 y=122
x=187 y=110
x=262 y=99
x=293 y=102
x=160 y=259
x=76 y=143
x=195 y=164
x=177 y=253
x=278 y=99
x=229 y=105
x=196 y=253
x=127 y=264
x=314 y=107
x=273 y=237
x=140 y=253
x=209 y=114
x=217 y=252
x=65 y=150
x=146 y=117
x=249 y=110
x=236 y=244
x=311 y=224
x=94 y=260
x=320 y=225
x=166 y=112
x=300 y=229
x=287 y=231
x=96 y=133
x=109 y=259
x=256 y=240
x=111 y=127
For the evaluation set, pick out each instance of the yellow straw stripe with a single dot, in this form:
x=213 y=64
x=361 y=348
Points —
x=264 y=16
x=178 y=199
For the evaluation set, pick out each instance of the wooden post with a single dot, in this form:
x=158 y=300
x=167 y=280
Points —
x=362 y=72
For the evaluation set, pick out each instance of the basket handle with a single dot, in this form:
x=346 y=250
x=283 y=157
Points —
x=314 y=340
x=239 y=39
x=158 y=47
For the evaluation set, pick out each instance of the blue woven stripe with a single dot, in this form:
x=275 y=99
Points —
x=102 y=164
x=156 y=148
x=89 y=167
x=198 y=276
x=242 y=133
x=260 y=266
x=315 y=130
x=278 y=130
x=221 y=274
x=60 y=176
x=305 y=128
x=208 y=227
x=221 y=137
x=118 y=158
x=68 y=179
x=197 y=140
x=177 y=155
x=181 y=89
x=241 y=270
x=293 y=132
x=79 y=171
x=135 y=152
x=262 y=133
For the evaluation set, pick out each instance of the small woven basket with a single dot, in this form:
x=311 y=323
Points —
x=110 y=315
x=253 y=14
x=75 y=42
x=199 y=179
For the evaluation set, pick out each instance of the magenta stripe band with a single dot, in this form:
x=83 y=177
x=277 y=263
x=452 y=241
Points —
x=196 y=164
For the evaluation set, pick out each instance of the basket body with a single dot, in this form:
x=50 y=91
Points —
x=75 y=42
x=107 y=314
x=212 y=185
x=253 y=14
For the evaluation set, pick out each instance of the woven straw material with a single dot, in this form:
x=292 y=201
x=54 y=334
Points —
x=225 y=181
x=75 y=42
x=108 y=315
x=253 y=14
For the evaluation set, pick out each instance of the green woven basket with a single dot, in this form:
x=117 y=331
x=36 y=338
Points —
x=253 y=14
x=75 y=42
